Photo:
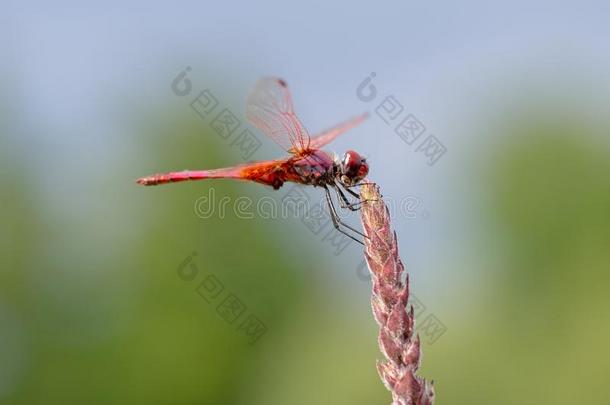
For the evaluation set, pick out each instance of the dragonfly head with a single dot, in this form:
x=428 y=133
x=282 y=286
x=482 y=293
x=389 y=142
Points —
x=353 y=168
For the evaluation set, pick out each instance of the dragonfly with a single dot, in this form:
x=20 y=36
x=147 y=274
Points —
x=269 y=107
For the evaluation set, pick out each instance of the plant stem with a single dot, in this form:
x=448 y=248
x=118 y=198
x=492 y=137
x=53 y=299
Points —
x=389 y=301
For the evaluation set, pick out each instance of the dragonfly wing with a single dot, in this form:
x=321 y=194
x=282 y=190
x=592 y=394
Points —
x=327 y=136
x=264 y=172
x=269 y=108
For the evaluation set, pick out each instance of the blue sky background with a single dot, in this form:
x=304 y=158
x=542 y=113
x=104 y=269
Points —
x=75 y=70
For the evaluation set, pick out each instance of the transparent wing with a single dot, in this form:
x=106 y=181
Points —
x=327 y=136
x=269 y=108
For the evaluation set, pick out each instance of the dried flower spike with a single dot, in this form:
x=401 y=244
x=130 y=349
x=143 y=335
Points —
x=389 y=301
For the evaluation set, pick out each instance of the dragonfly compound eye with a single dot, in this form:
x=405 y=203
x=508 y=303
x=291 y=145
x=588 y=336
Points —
x=354 y=166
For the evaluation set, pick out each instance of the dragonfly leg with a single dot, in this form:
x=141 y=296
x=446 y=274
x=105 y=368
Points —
x=337 y=223
x=364 y=183
x=352 y=192
x=344 y=202
x=348 y=188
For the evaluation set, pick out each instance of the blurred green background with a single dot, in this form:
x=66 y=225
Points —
x=101 y=294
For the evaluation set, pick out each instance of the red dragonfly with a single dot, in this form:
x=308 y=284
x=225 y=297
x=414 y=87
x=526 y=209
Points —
x=269 y=108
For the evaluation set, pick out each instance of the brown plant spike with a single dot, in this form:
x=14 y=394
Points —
x=389 y=301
